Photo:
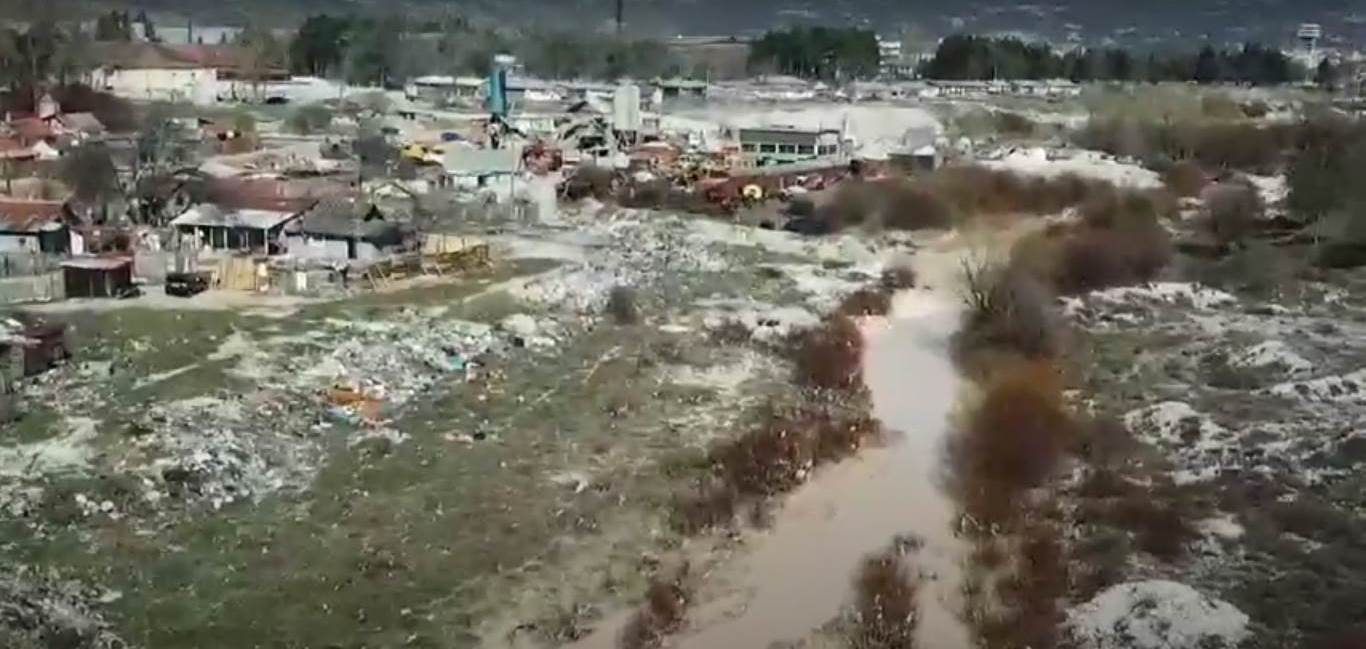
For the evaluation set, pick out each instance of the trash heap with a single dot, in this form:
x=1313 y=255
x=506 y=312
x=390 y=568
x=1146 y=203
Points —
x=637 y=249
x=216 y=451
x=367 y=368
x=42 y=610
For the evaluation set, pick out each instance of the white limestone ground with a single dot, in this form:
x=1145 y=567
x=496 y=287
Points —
x=1156 y=615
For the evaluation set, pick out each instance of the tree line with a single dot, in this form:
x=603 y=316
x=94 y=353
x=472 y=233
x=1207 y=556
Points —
x=385 y=51
x=817 y=53
x=967 y=57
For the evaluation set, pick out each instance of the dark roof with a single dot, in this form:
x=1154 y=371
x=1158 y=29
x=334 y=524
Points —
x=345 y=219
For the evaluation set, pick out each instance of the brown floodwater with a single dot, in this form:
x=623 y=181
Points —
x=798 y=575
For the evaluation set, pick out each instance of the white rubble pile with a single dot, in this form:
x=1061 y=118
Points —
x=1156 y=615
x=44 y=608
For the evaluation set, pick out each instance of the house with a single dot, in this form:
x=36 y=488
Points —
x=473 y=169
x=35 y=226
x=779 y=144
x=343 y=230
x=209 y=226
x=97 y=276
x=151 y=72
x=438 y=89
x=670 y=89
x=195 y=73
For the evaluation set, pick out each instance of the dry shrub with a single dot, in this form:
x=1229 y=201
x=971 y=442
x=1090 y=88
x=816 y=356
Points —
x=897 y=277
x=1008 y=311
x=1014 y=124
x=865 y=302
x=662 y=614
x=713 y=506
x=1011 y=442
x=622 y=305
x=1232 y=210
x=1158 y=528
x=731 y=332
x=911 y=206
x=771 y=459
x=885 y=611
x=975 y=190
x=778 y=454
x=855 y=203
x=1029 y=585
x=1118 y=242
x=589 y=181
x=837 y=439
x=1095 y=258
x=829 y=356
x=1185 y=178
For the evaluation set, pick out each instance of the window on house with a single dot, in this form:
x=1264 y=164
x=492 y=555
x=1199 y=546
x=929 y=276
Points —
x=768 y=148
x=748 y=147
x=806 y=149
x=787 y=148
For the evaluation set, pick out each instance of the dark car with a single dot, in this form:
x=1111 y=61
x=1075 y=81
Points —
x=186 y=284
x=808 y=225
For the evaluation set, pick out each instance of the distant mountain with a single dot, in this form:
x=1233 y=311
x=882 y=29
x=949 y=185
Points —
x=1132 y=22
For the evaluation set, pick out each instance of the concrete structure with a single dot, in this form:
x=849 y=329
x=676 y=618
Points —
x=343 y=230
x=34 y=226
x=213 y=227
x=781 y=145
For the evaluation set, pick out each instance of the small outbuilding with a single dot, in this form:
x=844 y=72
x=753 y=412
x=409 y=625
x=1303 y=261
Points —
x=97 y=276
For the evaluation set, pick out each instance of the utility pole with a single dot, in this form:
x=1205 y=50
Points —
x=621 y=13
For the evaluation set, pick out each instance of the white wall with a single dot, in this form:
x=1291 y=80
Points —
x=301 y=247
x=18 y=243
x=199 y=86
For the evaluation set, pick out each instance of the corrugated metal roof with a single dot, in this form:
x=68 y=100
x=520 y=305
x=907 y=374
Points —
x=210 y=215
x=97 y=263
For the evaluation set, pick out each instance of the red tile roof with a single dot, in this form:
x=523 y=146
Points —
x=269 y=193
x=29 y=216
x=30 y=129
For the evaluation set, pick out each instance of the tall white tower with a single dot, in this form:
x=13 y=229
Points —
x=1308 y=36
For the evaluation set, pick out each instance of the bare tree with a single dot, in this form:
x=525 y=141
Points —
x=89 y=171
